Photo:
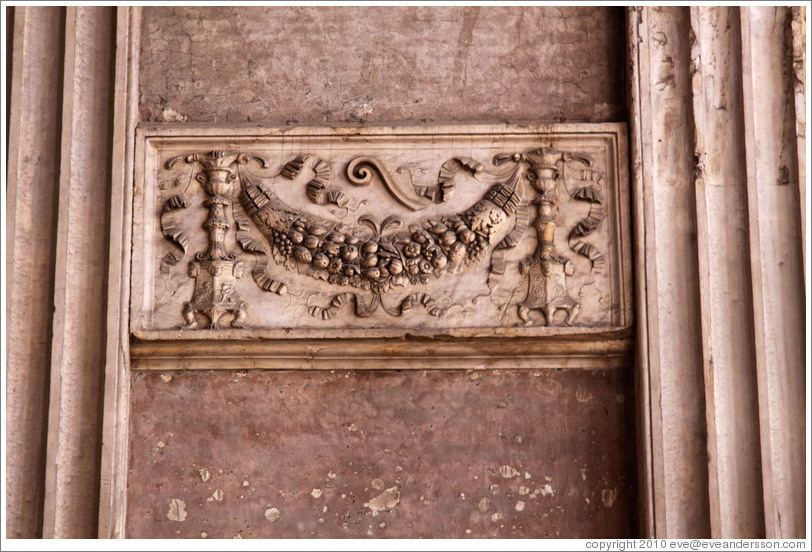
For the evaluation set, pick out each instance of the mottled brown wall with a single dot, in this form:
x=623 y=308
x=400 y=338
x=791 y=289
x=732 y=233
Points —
x=451 y=454
x=332 y=64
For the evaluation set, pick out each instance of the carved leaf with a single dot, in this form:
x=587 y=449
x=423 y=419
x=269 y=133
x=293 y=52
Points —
x=371 y=222
x=391 y=221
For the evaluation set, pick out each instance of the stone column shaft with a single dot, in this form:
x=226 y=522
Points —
x=32 y=194
x=776 y=264
x=80 y=318
x=671 y=386
x=731 y=396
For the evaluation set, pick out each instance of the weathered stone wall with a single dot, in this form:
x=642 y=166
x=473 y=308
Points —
x=394 y=454
x=330 y=64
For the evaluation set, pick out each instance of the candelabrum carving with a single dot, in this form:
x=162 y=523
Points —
x=376 y=258
x=547 y=269
x=215 y=270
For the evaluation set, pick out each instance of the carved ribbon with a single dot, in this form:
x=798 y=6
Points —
x=172 y=232
x=364 y=310
x=329 y=312
x=407 y=304
x=591 y=222
x=445 y=180
x=316 y=189
x=498 y=263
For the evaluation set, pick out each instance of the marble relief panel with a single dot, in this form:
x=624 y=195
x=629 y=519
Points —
x=466 y=230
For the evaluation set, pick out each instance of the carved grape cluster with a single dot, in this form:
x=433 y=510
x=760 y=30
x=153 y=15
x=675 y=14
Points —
x=282 y=242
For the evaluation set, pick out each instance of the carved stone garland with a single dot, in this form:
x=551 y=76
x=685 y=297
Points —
x=368 y=256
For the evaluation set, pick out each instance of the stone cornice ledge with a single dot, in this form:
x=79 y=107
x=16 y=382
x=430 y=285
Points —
x=612 y=349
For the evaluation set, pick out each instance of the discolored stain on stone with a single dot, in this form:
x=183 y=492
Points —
x=177 y=510
x=608 y=497
x=582 y=395
x=384 y=502
x=430 y=439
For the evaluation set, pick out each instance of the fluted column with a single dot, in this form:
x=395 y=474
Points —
x=80 y=316
x=717 y=191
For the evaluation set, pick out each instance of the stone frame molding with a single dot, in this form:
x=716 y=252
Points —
x=597 y=238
